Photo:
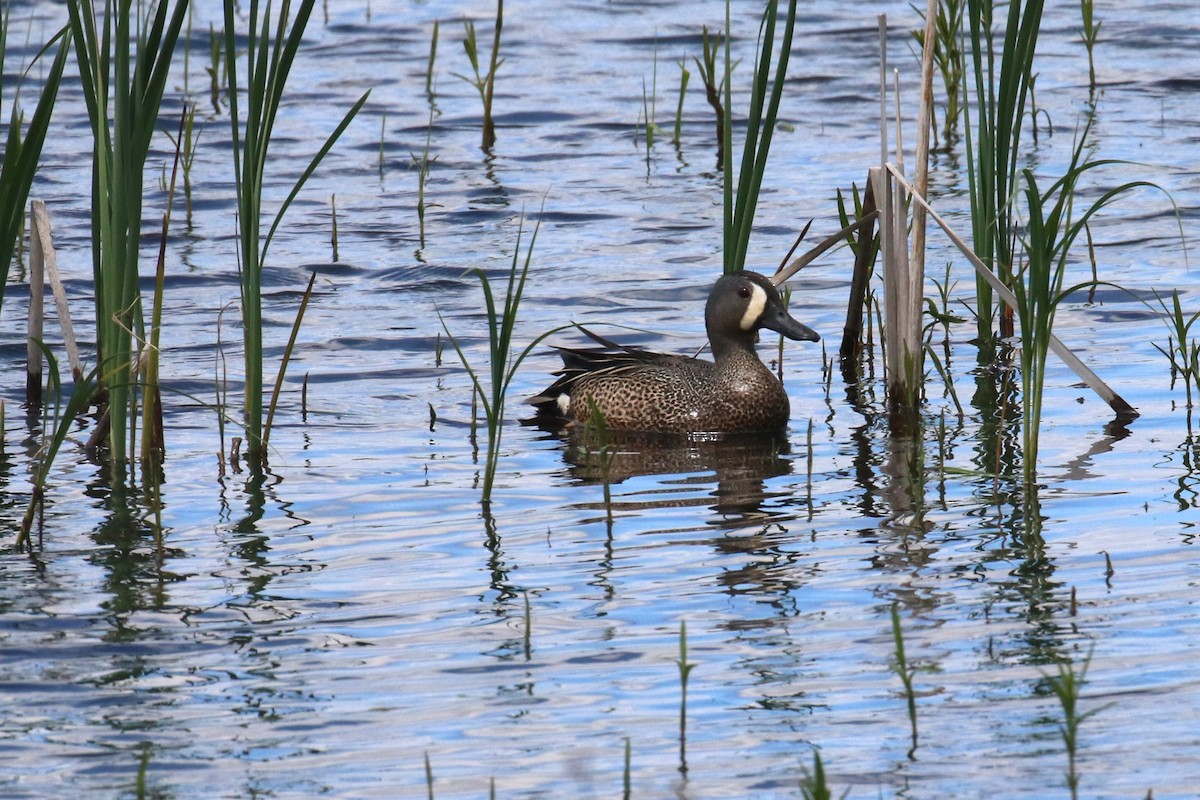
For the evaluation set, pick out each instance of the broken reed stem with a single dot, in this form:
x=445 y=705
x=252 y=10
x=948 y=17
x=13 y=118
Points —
x=40 y=228
x=1117 y=403
x=333 y=236
x=33 y=350
x=924 y=124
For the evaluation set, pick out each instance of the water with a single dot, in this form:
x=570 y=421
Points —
x=322 y=631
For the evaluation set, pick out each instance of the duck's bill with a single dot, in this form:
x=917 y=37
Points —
x=780 y=321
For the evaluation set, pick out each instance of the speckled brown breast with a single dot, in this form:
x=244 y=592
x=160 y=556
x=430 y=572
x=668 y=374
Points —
x=686 y=395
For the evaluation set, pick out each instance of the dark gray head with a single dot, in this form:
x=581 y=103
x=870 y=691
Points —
x=743 y=302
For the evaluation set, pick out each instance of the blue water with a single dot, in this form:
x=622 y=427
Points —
x=324 y=630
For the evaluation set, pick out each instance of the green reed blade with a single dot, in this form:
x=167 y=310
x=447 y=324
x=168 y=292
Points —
x=19 y=162
x=760 y=127
x=268 y=62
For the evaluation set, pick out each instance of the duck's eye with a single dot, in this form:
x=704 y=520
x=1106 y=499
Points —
x=743 y=292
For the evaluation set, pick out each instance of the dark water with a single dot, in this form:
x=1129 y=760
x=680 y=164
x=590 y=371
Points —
x=320 y=631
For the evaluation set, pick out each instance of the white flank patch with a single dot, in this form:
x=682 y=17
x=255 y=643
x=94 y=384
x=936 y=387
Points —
x=564 y=403
x=754 y=311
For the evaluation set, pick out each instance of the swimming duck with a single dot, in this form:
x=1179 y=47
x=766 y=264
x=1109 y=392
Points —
x=638 y=390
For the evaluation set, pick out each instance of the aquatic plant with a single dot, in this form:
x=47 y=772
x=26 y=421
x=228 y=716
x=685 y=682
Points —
x=433 y=43
x=23 y=148
x=813 y=785
x=269 y=59
x=123 y=75
x=217 y=76
x=685 y=671
x=1089 y=35
x=55 y=428
x=1002 y=81
x=153 y=446
x=423 y=163
x=684 y=77
x=902 y=669
x=627 y=771
x=1066 y=685
x=286 y=359
x=485 y=83
x=760 y=126
x=949 y=59
x=1181 y=350
x=1050 y=231
x=185 y=143
x=706 y=64
x=502 y=363
x=649 y=106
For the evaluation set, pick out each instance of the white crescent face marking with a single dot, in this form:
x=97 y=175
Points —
x=755 y=307
x=564 y=403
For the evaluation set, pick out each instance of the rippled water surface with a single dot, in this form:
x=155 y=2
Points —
x=323 y=630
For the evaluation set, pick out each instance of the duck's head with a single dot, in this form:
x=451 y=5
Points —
x=743 y=302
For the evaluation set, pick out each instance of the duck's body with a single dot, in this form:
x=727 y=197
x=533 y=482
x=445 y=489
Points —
x=637 y=390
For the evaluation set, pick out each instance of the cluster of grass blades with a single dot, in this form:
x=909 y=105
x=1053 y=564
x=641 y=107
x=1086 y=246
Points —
x=1002 y=85
x=124 y=75
x=760 y=127
x=1182 y=351
x=23 y=144
x=502 y=362
x=1051 y=228
x=950 y=61
x=271 y=49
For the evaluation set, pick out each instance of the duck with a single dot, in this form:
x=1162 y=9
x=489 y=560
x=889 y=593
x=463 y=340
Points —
x=637 y=390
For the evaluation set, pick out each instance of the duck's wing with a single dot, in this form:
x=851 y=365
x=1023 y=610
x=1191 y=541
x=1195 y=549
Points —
x=611 y=358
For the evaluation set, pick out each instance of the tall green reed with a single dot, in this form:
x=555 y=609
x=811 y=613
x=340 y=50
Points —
x=1002 y=80
x=123 y=73
x=269 y=59
x=760 y=126
x=23 y=145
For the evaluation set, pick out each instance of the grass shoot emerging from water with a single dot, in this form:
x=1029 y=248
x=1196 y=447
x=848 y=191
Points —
x=1182 y=350
x=502 y=362
x=1089 y=35
x=1051 y=228
x=685 y=671
x=901 y=667
x=1066 y=685
x=484 y=83
x=813 y=785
